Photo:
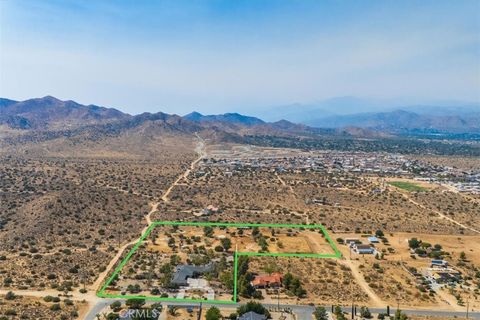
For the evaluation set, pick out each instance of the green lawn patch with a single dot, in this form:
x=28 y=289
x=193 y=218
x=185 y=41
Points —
x=409 y=186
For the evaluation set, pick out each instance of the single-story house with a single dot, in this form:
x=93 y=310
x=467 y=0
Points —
x=183 y=272
x=207 y=211
x=445 y=275
x=349 y=241
x=252 y=316
x=267 y=281
x=363 y=249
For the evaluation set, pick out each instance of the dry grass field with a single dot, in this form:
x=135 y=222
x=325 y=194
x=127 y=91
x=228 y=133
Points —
x=454 y=205
x=150 y=269
x=321 y=278
x=65 y=211
x=63 y=219
x=341 y=202
x=35 y=308
x=463 y=163
x=391 y=278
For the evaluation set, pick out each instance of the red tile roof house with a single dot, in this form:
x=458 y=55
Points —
x=268 y=281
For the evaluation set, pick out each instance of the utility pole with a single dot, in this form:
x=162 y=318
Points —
x=278 y=293
x=83 y=277
x=353 y=300
x=278 y=302
x=200 y=312
x=468 y=300
x=398 y=303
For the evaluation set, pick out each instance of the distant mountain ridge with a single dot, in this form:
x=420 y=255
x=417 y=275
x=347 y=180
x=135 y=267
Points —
x=49 y=126
x=401 y=121
x=390 y=115
x=49 y=112
x=6 y=102
x=50 y=119
x=226 y=117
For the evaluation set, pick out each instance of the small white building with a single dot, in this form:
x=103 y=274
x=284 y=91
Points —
x=439 y=263
x=363 y=249
x=373 y=240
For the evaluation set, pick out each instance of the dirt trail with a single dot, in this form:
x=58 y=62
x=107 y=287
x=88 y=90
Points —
x=376 y=301
x=314 y=245
x=77 y=296
x=200 y=149
x=304 y=215
x=442 y=215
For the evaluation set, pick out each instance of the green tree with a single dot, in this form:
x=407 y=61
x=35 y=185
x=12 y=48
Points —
x=55 y=307
x=337 y=311
x=10 y=296
x=135 y=303
x=242 y=265
x=227 y=279
x=213 y=314
x=253 y=306
x=255 y=232
x=287 y=280
x=365 y=313
x=245 y=289
x=208 y=231
x=414 y=243
x=172 y=310
x=293 y=285
x=320 y=313
x=399 y=315
x=226 y=243
x=116 y=306
x=262 y=242
x=113 y=316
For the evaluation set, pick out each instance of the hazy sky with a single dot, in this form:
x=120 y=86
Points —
x=178 y=56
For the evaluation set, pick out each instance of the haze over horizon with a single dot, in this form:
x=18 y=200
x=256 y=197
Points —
x=223 y=56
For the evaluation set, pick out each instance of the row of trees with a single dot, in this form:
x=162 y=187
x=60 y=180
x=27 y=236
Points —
x=320 y=313
x=214 y=313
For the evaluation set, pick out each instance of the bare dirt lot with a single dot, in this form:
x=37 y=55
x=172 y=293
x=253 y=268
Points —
x=35 y=308
x=321 y=279
x=151 y=268
x=391 y=276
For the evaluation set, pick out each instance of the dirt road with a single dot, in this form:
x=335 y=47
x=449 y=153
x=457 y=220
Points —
x=200 y=149
x=376 y=301
x=440 y=214
x=90 y=297
x=304 y=215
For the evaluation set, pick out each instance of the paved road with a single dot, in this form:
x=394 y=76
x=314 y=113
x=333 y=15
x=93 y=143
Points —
x=303 y=312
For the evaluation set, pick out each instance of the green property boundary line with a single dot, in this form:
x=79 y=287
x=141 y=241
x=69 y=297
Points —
x=122 y=264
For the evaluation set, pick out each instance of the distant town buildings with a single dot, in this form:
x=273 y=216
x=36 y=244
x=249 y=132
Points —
x=357 y=163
